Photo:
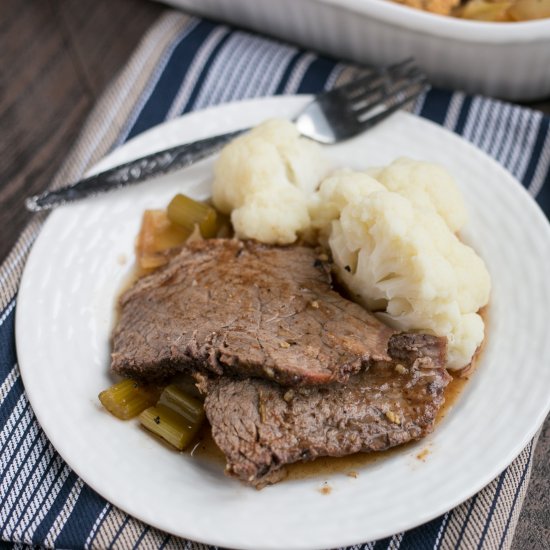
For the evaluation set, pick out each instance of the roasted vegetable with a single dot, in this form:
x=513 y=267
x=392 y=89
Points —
x=524 y=10
x=176 y=418
x=182 y=403
x=157 y=235
x=187 y=213
x=128 y=398
x=483 y=10
x=504 y=10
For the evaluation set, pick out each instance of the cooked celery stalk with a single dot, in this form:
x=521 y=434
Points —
x=168 y=424
x=181 y=402
x=187 y=213
x=176 y=417
x=157 y=234
x=128 y=398
x=187 y=385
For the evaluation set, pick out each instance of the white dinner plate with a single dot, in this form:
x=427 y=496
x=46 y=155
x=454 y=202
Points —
x=65 y=312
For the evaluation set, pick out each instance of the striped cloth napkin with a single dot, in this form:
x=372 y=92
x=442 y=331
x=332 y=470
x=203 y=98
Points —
x=181 y=65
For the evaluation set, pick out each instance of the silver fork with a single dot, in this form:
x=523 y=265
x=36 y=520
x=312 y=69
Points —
x=331 y=117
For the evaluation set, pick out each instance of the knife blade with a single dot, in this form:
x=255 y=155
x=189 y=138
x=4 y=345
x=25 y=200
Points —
x=131 y=172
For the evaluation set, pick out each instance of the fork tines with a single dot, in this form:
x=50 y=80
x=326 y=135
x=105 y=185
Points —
x=350 y=109
x=376 y=75
x=384 y=90
x=394 y=87
x=374 y=78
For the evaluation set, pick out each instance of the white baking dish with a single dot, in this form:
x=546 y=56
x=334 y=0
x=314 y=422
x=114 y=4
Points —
x=507 y=60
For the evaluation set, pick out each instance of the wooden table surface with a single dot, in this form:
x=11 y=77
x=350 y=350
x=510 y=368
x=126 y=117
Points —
x=56 y=57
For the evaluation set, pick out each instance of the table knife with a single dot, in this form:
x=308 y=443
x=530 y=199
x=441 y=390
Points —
x=131 y=172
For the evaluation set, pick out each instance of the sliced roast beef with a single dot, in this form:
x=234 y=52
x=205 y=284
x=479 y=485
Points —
x=407 y=347
x=246 y=309
x=261 y=426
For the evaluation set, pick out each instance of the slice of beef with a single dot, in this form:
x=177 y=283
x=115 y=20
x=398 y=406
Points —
x=407 y=347
x=245 y=309
x=261 y=426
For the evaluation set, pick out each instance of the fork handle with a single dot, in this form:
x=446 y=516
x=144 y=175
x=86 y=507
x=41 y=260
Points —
x=131 y=172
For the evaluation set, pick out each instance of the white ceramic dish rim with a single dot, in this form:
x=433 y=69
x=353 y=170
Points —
x=448 y=27
x=64 y=446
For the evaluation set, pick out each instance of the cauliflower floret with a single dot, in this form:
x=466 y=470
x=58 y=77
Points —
x=427 y=186
x=405 y=262
x=264 y=180
x=337 y=190
x=271 y=215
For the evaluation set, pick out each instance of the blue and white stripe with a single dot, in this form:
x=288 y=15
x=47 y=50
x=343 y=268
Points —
x=184 y=64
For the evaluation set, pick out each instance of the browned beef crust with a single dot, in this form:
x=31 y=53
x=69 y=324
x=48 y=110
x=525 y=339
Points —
x=245 y=309
x=261 y=426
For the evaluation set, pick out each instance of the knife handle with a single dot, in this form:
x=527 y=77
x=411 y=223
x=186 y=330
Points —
x=134 y=171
